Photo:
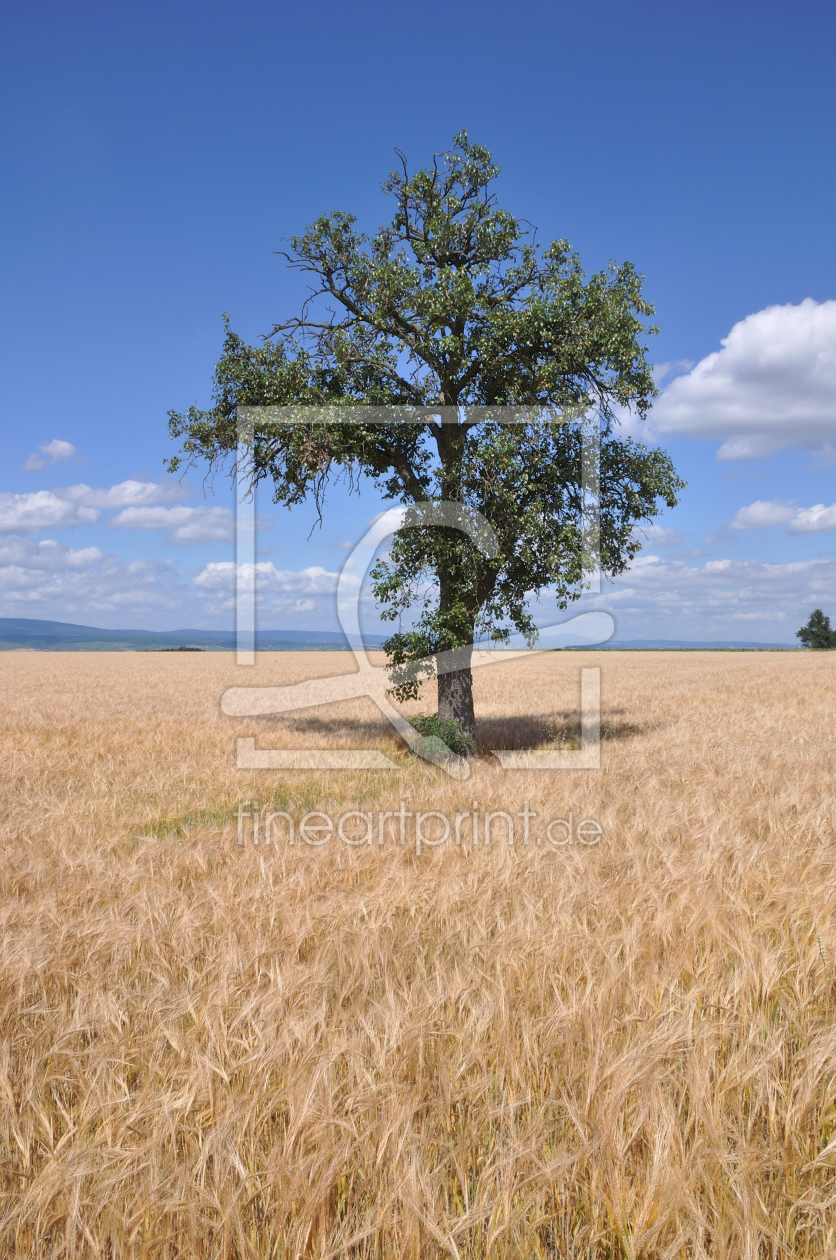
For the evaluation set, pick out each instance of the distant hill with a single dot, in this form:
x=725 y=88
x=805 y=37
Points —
x=61 y=636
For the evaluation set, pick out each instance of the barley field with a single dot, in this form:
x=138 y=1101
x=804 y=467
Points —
x=464 y=1049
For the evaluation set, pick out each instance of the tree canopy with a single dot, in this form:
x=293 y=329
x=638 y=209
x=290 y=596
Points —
x=453 y=311
x=817 y=633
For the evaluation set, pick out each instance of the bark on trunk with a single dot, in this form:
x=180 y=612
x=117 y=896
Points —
x=455 y=696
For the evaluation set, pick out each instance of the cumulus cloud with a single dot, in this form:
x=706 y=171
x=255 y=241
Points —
x=772 y=385
x=126 y=494
x=185 y=525
x=221 y=576
x=283 y=595
x=46 y=556
x=669 y=599
x=48 y=579
x=50 y=453
x=81 y=505
x=657 y=598
x=42 y=509
x=764 y=513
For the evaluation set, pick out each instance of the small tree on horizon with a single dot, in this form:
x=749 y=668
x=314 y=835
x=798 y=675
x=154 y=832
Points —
x=817 y=634
x=451 y=306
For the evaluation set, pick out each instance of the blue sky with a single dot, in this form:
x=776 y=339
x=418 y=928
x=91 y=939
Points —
x=155 y=155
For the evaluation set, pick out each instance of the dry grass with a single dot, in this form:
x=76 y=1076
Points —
x=622 y=1051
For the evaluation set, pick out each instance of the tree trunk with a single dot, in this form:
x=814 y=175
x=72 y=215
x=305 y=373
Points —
x=455 y=695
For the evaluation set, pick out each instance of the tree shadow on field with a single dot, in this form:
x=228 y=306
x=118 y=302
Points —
x=560 y=729
x=364 y=730
x=551 y=730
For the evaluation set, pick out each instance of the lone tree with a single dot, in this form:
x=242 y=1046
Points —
x=453 y=306
x=817 y=633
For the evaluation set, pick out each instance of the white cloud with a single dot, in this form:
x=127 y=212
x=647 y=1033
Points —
x=220 y=576
x=45 y=556
x=669 y=599
x=185 y=525
x=81 y=505
x=772 y=385
x=283 y=595
x=41 y=509
x=126 y=494
x=764 y=513
x=48 y=579
x=812 y=520
x=658 y=598
x=51 y=453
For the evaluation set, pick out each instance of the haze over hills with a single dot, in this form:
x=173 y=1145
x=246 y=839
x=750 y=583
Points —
x=60 y=636
x=686 y=645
